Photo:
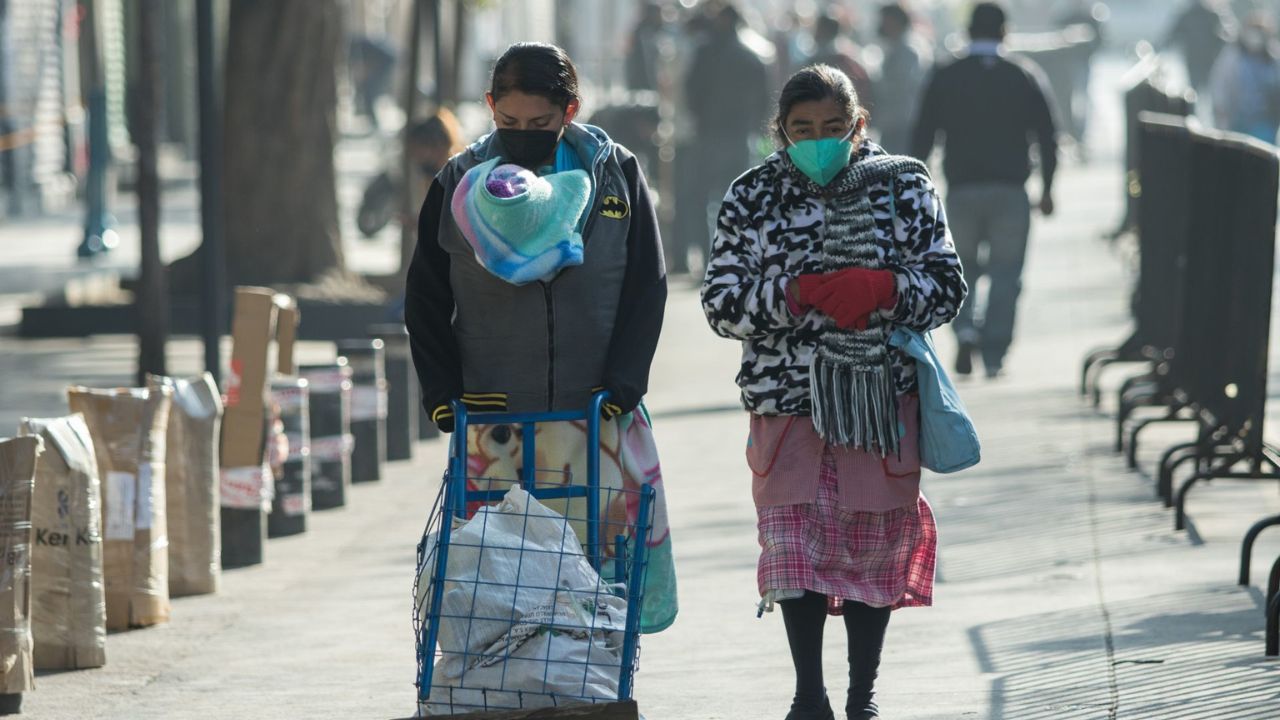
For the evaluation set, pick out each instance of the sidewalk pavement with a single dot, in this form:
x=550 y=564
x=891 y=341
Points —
x=1063 y=592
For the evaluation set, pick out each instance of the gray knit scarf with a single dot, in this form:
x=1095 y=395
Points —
x=855 y=402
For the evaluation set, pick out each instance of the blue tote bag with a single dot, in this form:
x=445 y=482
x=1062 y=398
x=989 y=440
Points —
x=948 y=439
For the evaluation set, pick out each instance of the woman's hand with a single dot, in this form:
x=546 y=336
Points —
x=804 y=287
x=610 y=411
x=849 y=297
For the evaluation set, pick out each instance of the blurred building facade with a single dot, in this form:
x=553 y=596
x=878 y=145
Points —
x=53 y=52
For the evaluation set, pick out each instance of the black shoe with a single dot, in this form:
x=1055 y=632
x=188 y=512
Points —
x=862 y=709
x=808 y=712
x=964 y=359
x=866 y=712
x=994 y=371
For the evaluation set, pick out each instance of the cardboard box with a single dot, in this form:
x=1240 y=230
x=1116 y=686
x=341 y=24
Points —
x=69 y=618
x=287 y=318
x=128 y=427
x=192 y=485
x=261 y=315
x=251 y=331
x=17 y=481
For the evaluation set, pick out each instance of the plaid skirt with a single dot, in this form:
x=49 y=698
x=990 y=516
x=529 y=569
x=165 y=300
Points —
x=883 y=559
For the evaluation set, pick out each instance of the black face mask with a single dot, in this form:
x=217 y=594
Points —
x=528 y=148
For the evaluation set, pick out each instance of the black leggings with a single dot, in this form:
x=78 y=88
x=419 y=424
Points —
x=805 y=617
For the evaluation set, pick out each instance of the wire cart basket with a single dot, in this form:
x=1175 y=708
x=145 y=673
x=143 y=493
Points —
x=529 y=590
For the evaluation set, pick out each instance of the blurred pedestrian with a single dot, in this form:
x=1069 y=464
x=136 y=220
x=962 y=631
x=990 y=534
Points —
x=832 y=46
x=432 y=141
x=1245 y=82
x=644 y=49
x=902 y=75
x=793 y=40
x=690 y=221
x=1200 y=32
x=372 y=65
x=989 y=107
x=428 y=145
x=727 y=94
x=635 y=126
x=1083 y=23
x=819 y=254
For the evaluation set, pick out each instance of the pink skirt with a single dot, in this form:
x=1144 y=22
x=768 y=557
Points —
x=883 y=559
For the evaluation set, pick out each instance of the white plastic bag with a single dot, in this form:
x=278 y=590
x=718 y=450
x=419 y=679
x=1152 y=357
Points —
x=547 y=669
x=525 y=621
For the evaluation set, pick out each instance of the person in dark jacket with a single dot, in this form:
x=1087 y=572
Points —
x=543 y=345
x=832 y=46
x=644 y=51
x=1200 y=32
x=538 y=282
x=902 y=75
x=727 y=93
x=990 y=108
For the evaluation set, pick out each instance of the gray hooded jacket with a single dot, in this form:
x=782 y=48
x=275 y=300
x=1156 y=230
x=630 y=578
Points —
x=547 y=345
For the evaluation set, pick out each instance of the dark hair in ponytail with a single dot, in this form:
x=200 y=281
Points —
x=536 y=69
x=819 y=82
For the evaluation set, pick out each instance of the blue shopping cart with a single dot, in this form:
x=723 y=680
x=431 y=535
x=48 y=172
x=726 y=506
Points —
x=530 y=589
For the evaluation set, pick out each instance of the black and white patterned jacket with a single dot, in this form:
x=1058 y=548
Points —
x=770 y=230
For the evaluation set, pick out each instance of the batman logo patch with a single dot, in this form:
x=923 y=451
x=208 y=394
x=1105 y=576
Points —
x=614 y=207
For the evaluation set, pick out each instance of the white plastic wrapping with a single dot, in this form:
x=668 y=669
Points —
x=192 y=486
x=525 y=620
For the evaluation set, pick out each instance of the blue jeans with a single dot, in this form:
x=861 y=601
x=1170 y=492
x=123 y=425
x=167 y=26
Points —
x=990 y=224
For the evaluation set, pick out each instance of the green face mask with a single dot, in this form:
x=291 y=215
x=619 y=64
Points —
x=821 y=159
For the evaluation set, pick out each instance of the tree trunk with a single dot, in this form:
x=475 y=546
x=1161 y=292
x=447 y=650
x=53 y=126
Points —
x=459 y=46
x=281 y=204
x=439 y=60
x=408 y=202
x=210 y=266
x=152 y=296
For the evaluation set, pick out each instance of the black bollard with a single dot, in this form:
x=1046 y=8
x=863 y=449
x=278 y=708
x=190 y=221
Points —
x=292 y=502
x=244 y=533
x=244 y=529
x=368 y=407
x=330 y=400
x=402 y=391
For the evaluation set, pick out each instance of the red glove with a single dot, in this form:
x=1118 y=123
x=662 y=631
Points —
x=849 y=297
x=805 y=286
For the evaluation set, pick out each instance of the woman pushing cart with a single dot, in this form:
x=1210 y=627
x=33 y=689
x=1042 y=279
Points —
x=536 y=291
